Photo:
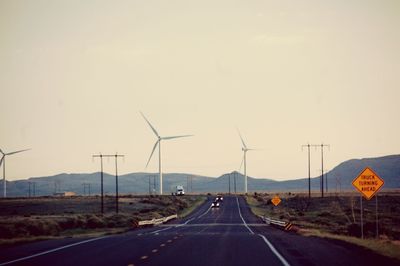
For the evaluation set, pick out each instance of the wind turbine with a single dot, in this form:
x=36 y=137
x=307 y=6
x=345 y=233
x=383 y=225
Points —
x=158 y=142
x=245 y=150
x=3 y=161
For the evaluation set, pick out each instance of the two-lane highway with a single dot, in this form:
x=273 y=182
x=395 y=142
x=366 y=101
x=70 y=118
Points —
x=229 y=235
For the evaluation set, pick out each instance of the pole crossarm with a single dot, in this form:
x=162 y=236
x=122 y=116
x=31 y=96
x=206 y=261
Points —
x=116 y=156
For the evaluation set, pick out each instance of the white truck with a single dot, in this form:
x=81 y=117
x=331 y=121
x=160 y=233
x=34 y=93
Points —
x=179 y=191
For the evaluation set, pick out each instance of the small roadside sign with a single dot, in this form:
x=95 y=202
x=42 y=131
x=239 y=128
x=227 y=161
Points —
x=368 y=183
x=276 y=200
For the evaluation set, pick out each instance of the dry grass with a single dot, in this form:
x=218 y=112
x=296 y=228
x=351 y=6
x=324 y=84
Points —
x=24 y=220
x=338 y=217
x=382 y=246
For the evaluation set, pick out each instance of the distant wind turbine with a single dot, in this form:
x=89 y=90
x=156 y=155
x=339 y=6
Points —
x=158 y=142
x=245 y=150
x=3 y=161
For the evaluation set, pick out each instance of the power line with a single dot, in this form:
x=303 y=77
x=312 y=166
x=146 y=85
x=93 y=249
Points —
x=229 y=183
x=101 y=174
x=116 y=156
x=326 y=178
x=322 y=167
x=309 y=166
x=86 y=189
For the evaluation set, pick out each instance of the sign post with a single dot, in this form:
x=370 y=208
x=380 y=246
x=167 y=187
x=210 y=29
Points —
x=276 y=200
x=368 y=183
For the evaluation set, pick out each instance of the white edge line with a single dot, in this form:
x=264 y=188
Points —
x=245 y=224
x=52 y=250
x=209 y=208
x=280 y=257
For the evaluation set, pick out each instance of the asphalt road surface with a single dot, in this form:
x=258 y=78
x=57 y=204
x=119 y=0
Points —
x=229 y=235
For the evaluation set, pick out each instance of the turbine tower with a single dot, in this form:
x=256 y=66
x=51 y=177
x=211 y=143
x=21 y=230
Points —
x=158 y=142
x=245 y=150
x=3 y=161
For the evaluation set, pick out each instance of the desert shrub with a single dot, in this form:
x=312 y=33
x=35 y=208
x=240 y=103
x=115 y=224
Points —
x=95 y=222
x=42 y=227
x=118 y=220
x=325 y=214
x=7 y=231
x=67 y=223
x=354 y=230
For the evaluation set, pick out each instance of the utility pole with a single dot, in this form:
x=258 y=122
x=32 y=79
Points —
x=101 y=174
x=322 y=167
x=234 y=180
x=29 y=194
x=154 y=183
x=187 y=184
x=116 y=156
x=326 y=177
x=326 y=181
x=309 y=166
x=116 y=181
x=34 y=189
x=191 y=184
x=229 y=183
x=338 y=183
x=149 y=187
x=86 y=189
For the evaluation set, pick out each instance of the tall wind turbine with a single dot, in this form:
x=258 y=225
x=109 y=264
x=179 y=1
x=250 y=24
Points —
x=158 y=142
x=3 y=161
x=245 y=150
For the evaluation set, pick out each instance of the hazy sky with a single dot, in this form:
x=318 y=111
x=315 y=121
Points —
x=75 y=74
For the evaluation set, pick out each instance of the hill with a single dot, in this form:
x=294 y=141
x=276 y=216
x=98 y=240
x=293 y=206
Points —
x=387 y=167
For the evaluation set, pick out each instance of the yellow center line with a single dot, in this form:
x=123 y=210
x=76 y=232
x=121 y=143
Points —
x=154 y=250
x=162 y=245
x=144 y=257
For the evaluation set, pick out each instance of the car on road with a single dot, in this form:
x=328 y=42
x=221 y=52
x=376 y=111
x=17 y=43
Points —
x=215 y=204
x=219 y=198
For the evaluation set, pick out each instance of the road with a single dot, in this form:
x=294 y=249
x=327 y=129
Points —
x=230 y=235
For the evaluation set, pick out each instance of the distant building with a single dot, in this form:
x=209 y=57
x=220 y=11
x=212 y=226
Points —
x=64 y=194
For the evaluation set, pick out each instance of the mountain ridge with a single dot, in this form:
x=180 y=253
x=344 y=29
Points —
x=387 y=167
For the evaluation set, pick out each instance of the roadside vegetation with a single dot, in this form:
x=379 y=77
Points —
x=337 y=217
x=31 y=219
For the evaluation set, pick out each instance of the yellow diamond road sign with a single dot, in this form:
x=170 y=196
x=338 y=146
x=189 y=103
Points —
x=276 y=200
x=368 y=183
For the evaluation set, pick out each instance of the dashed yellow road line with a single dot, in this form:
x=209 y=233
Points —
x=162 y=245
x=144 y=257
x=154 y=250
x=169 y=240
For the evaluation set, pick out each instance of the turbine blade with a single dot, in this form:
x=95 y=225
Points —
x=240 y=168
x=244 y=144
x=154 y=148
x=1 y=152
x=175 y=137
x=1 y=160
x=152 y=128
x=14 y=152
